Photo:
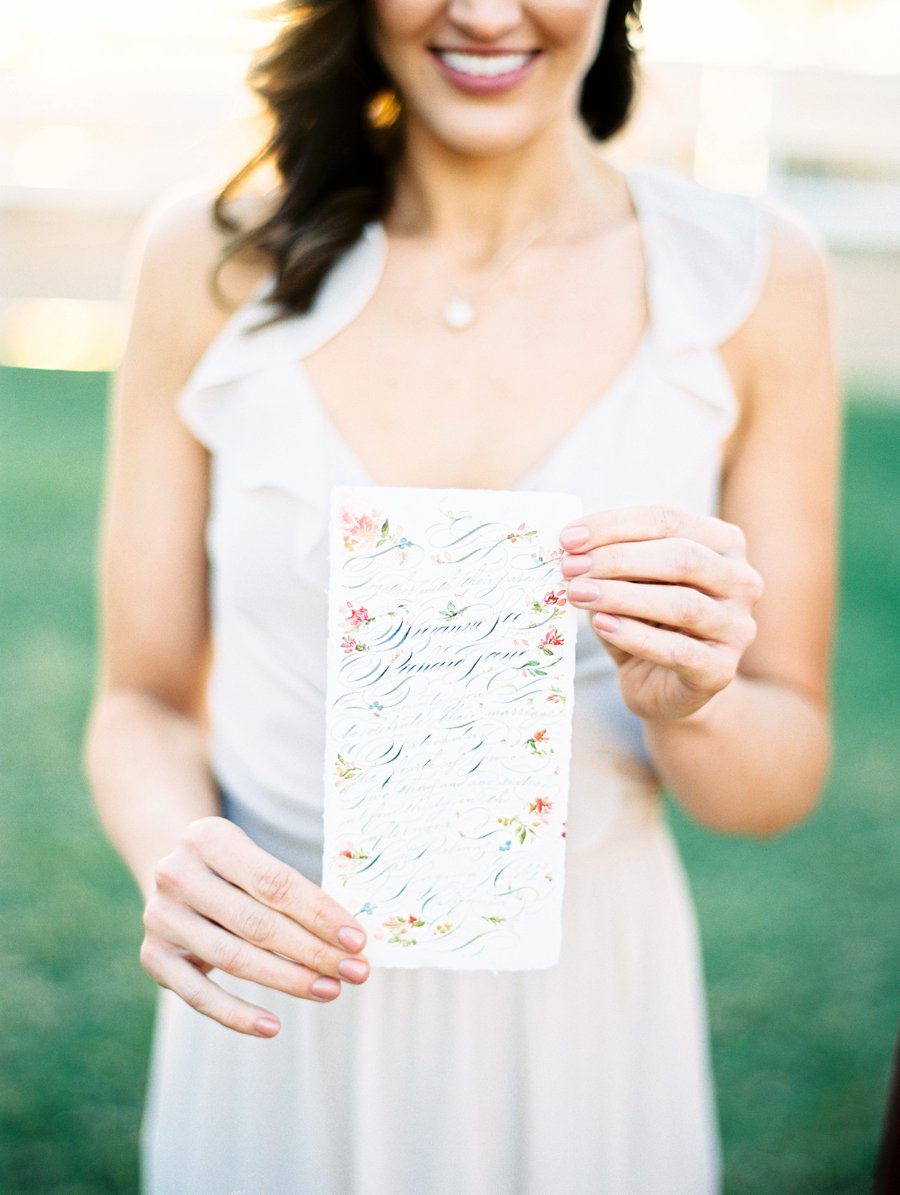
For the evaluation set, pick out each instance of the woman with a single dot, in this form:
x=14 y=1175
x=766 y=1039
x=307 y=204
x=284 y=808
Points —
x=450 y=286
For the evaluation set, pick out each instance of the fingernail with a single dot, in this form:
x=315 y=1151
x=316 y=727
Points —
x=324 y=988
x=354 y=969
x=605 y=623
x=574 y=566
x=267 y=1026
x=350 y=938
x=573 y=537
x=584 y=591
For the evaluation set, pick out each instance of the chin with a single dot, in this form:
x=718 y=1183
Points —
x=484 y=135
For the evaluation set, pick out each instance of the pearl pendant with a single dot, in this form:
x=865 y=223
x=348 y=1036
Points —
x=458 y=314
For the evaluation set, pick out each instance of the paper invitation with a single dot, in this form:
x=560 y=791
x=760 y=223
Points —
x=451 y=655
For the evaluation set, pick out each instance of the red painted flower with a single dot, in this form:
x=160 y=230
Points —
x=541 y=805
x=555 y=597
x=540 y=736
x=552 y=639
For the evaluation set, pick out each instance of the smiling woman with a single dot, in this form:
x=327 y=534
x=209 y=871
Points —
x=658 y=349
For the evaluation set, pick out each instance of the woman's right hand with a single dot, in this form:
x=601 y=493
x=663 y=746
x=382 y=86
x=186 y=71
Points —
x=222 y=902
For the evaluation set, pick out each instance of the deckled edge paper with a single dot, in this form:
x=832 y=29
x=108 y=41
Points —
x=451 y=656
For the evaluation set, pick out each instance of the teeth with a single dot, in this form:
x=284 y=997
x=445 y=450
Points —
x=484 y=65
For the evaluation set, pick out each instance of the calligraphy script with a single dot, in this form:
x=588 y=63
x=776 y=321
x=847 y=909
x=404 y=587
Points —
x=451 y=657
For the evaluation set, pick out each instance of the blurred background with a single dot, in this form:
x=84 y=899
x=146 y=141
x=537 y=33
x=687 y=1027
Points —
x=103 y=107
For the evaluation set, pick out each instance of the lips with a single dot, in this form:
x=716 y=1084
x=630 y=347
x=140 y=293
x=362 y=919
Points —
x=484 y=72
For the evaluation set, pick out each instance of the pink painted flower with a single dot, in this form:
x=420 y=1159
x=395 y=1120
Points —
x=552 y=639
x=555 y=597
x=348 y=645
x=360 y=526
x=357 y=617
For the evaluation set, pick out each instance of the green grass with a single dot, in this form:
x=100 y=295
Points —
x=800 y=932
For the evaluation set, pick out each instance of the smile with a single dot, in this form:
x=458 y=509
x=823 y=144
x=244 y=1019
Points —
x=486 y=66
x=484 y=73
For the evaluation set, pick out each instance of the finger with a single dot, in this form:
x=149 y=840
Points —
x=676 y=606
x=673 y=561
x=172 y=970
x=218 y=948
x=637 y=523
x=235 y=911
x=236 y=858
x=707 y=667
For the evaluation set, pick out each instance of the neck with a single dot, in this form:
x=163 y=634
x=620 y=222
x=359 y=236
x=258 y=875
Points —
x=479 y=204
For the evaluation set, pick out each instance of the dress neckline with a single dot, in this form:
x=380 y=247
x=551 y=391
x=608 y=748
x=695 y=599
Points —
x=375 y=240
x=597 y=407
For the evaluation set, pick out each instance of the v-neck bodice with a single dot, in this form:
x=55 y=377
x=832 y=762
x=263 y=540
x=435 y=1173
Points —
x=656 y=435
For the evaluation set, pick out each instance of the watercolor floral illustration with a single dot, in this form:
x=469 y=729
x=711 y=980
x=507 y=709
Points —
x=349 y=645
x=525 y=827
x=542 y=807
x=534 y=668
x=523 y=531
x=357 y=616
x=539 y=743
x=349 y=855
x=365 y=532
x=345 y=770
x=346 y=862
x=400 y=928
x=553 y=603
x=549 y=641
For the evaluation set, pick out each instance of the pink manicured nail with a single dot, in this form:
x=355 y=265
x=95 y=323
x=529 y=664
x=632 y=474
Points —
x=267 y=1026
x=353 y=969
x=584 y=591
x=605 y=623
x=350 y=938
x=574 y=537
x=324 y=988
x=574 y=566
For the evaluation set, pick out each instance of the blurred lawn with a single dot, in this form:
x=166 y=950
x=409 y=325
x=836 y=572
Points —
x=802 y=949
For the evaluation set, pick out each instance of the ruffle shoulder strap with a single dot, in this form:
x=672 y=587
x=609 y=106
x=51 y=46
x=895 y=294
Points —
x=249 y=344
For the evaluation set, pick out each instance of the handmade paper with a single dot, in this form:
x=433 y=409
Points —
x=449 y=709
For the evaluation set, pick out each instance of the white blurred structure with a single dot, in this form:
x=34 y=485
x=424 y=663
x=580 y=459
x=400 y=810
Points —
x=102 y=108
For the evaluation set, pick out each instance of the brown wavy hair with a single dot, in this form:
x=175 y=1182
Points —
x=317 y=80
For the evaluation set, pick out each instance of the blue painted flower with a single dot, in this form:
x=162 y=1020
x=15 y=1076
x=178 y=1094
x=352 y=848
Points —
x=377 y=706
x=367 y=908
x=506 y=845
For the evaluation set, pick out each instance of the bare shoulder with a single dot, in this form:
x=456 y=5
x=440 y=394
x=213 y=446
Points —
x=788 y=336
x=180 y=300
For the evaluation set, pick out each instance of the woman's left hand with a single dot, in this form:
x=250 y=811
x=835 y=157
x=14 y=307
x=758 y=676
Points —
x=671 y=596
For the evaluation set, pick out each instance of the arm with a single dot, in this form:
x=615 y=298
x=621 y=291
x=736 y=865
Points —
x=213 y=897
x=732 y=683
